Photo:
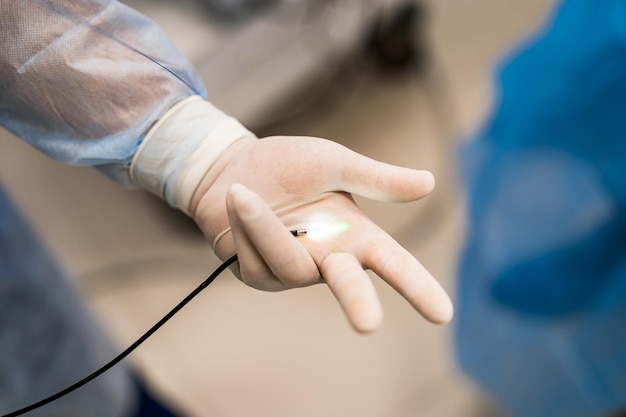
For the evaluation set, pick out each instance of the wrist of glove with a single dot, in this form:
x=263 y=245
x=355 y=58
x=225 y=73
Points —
x=178 y=150
x=247 y=198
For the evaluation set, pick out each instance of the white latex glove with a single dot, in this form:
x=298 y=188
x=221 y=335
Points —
x=256 y=191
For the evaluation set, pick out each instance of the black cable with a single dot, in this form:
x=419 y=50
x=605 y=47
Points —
x=131 y=348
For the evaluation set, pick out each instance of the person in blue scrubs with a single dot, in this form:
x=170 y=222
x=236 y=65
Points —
x=542 y=292
x=96 y=83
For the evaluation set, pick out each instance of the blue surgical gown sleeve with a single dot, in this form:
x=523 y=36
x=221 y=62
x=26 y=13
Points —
x=82 y=81
x=542 y=289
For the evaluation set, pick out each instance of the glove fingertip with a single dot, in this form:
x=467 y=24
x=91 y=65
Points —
x=428 y=181
x=245 y=202
x=444 y=315
x=411 y=185
x=370 y=323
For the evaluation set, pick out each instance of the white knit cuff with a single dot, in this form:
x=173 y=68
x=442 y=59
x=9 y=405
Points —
x=181 y=147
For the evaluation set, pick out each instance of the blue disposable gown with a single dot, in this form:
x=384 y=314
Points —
x=82 y=81
x=542 y=293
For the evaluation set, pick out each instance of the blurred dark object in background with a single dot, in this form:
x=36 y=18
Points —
x=398 y=41
x=237 y=10
x=255 y=56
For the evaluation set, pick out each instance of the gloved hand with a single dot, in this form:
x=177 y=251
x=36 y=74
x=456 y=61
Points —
x=253 y=192
x=262 y=189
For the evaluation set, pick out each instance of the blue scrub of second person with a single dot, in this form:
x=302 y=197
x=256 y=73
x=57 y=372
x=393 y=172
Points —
x=127 y=73
x=542 y=295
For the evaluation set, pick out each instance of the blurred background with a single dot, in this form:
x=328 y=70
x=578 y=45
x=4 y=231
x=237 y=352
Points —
x=400 y=81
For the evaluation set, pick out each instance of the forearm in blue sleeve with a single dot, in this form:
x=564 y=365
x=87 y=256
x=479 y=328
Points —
x=83 y=81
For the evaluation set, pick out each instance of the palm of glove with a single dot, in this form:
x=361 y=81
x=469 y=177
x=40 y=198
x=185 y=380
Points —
x=259 y=190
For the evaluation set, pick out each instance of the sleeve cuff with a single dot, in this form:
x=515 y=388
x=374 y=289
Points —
x=181 y=147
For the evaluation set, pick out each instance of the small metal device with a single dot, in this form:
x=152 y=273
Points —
x=299 y=232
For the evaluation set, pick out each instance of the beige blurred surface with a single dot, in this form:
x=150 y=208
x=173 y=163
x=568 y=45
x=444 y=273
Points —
x=238 y=352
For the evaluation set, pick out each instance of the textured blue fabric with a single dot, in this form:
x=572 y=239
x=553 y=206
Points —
x=48 y=340
x=82 y=81
x=542 y=293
